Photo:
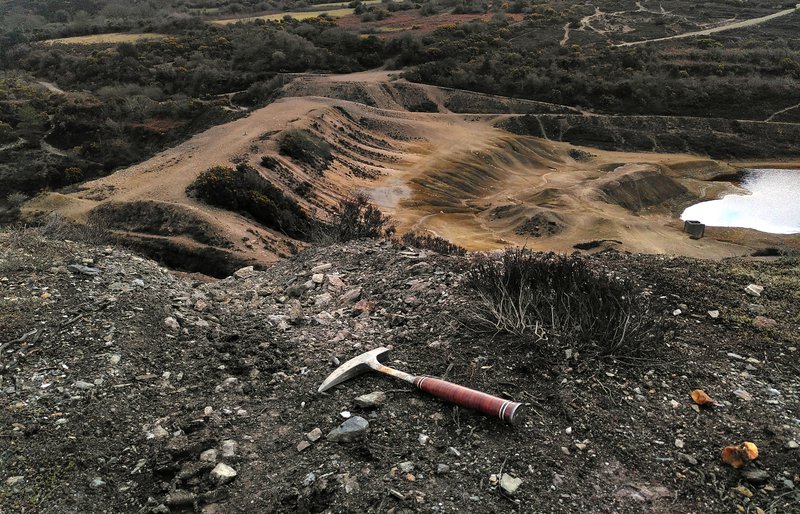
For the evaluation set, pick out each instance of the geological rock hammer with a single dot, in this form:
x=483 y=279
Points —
x=459 y=395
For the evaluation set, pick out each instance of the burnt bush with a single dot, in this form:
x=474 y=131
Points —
x=355 y=218
x=305 y=147
x=561 y=303
x=433 y=243
x=243 y=189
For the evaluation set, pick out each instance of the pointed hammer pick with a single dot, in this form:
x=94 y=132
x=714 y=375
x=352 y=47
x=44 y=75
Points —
x=459 y=395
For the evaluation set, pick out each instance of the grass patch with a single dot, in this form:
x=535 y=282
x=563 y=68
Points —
x=559 y=302
x=111 y=38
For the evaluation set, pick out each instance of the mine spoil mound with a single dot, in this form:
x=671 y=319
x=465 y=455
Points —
x=156 y=218
x=641 y=189
x=128 y=388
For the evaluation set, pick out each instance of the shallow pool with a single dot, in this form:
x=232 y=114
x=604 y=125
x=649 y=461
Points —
x=773 y=204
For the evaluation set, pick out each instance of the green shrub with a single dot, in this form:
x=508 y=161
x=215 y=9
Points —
x=243 y=189
x=558 y=300
x=303 y=146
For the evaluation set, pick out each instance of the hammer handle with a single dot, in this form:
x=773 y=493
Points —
x=469 y=398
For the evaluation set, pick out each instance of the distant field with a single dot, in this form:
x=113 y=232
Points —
x=332 y=9
x=94 y=39
x=298 y=15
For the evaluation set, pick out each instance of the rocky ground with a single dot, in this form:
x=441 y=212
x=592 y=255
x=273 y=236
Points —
x=128 y=388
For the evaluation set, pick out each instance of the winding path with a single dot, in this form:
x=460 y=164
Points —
x=721 y=28
x=778 y=113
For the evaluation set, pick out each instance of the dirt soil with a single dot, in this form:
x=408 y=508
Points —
x=127 y=390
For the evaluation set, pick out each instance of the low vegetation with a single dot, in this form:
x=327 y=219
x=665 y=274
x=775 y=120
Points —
x=305 y=147
x=433 y=243
x=355 y=218
x=559 y=303
x=244 y=190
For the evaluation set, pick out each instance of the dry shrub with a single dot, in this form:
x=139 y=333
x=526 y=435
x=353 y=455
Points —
x=433 y=243
x=560 y=302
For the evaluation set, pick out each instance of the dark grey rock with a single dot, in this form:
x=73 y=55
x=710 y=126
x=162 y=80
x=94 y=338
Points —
x=352 y=429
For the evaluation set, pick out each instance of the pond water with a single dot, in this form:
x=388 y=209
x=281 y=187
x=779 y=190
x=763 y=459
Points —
x=773 y=204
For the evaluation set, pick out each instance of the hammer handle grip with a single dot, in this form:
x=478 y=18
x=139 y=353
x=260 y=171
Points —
x=469 y=398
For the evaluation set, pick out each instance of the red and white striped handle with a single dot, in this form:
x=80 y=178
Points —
x=469 y=398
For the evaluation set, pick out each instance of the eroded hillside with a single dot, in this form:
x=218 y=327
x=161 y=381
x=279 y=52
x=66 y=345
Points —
x=443 y=172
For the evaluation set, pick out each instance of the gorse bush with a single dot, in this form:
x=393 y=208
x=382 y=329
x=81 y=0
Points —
x=243 y=189
x=561 y=301
x=303 y=146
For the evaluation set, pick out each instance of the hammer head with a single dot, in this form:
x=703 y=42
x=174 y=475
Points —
x=354 y=367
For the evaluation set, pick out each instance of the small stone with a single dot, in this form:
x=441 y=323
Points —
x=423 y=439
x=229 y=447
x=335 y=282
x=160 y=432
x=755 y=476
x=713 y=314
x=345 y=414
x=83 y=270
x=317 y=278
x=406 y=467
x=788 y=484
x=763 y=323
x=114 y=359
x=303 y=445
x=309 y=479
x=362 y=307
x=319 y=268
x=677 y=312
x=454 y=452
x=180 y=498
x=209 y=456
x=679 y=443
x=323 y=300
x=160 y=509
x=12 y=481
x=743 y=395
x=792 y=445
x=80 y=384
x=757 y=309
x=352 y=429
x=397 y=494
x=295 y=310
x=172 y=324
x=97 y=483
x=371 y=400
x=441 y=469
x=245 y=272
x=754 y=290
x=350 y=296
x=510 y=484
x=744 y=491
x=222 y=474
x=314 y=435
x=688 y=459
